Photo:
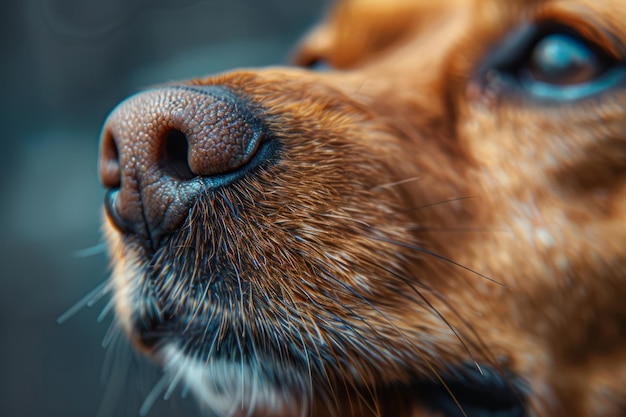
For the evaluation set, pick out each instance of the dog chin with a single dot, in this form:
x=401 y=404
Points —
x=224 y=386
x=229 y=388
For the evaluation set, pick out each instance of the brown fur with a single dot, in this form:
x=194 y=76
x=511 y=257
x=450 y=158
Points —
x=403 y=162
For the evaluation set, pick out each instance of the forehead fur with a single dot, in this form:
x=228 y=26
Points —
x=358 y=32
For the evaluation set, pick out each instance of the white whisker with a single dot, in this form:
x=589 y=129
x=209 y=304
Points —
x=393 y=184
x=97 y=297
x=87 y=300
x=92 y=251
x=117 y=352
x=112 y=332
x=153 y=396
x=105 y=311
x=173 y=384
x=115 y=371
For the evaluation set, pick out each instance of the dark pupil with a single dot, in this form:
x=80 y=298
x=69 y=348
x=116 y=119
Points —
x=562 y=59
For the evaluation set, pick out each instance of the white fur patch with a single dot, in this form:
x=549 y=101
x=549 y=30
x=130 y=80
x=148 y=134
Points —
x=228 y=388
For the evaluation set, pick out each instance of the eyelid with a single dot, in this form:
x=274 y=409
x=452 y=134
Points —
x=515 y=48
x=507 y=52
x=570 y=92
x=589 y=27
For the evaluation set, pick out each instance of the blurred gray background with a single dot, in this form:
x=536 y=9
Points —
x=65 y=64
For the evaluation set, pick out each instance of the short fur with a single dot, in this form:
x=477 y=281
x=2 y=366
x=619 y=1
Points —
x=414 y=219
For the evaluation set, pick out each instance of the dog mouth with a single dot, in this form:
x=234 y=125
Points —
x=225 y=339
x=473 y=391
x=225 y=312
x=469 y=390
x=243 y=287
x=220 y=314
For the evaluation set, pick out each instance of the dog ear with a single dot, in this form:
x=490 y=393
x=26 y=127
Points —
x=315 y=47
x=356 y=30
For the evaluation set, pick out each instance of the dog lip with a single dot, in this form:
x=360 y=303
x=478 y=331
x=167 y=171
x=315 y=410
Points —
x=462 y=392
x=110 y=198
x=142 y=233
x=473 y=390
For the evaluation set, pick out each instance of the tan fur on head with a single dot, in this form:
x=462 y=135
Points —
x=417 y=216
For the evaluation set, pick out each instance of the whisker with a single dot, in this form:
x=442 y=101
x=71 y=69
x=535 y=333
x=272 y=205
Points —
x=110 y=335
x=105 y=311
x=115 y=371
x=429 y=365
x=173 y=385
x=428 y=303
x=97 y=297
x=91 y=251
x=331 y=390
x=88 y=300
x=464 y=343
x=485 y=350
x=113 y=354
x=449 y=391
x=396 y=183
x=438 y=203
x=184 y=392
x=441 y=257
x=458 y=229
x=154 y=394
x=306 y=351
x=417 y=350
x=243 y=335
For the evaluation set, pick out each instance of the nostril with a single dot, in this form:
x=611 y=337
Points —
x=173 y=156
x=162 y=148
x=110 y=172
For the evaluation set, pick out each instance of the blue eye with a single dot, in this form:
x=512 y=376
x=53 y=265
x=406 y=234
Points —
x=551 y=62
x=564 y=60
x=564 y=67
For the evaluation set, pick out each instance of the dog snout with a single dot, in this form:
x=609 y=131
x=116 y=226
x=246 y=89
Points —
x=159 y=148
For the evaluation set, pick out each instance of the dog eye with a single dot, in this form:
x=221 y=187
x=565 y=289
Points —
x=552 y=63
x=564 y=60
x=319 y=65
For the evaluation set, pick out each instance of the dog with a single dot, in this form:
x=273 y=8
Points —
x=425 y=216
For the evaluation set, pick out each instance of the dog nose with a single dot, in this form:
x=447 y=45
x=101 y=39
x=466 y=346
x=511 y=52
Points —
x=159 y=148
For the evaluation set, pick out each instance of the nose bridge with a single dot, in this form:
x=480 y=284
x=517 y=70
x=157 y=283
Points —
x=157 y=146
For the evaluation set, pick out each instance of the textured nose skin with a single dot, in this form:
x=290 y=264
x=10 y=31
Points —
x=157 y=148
